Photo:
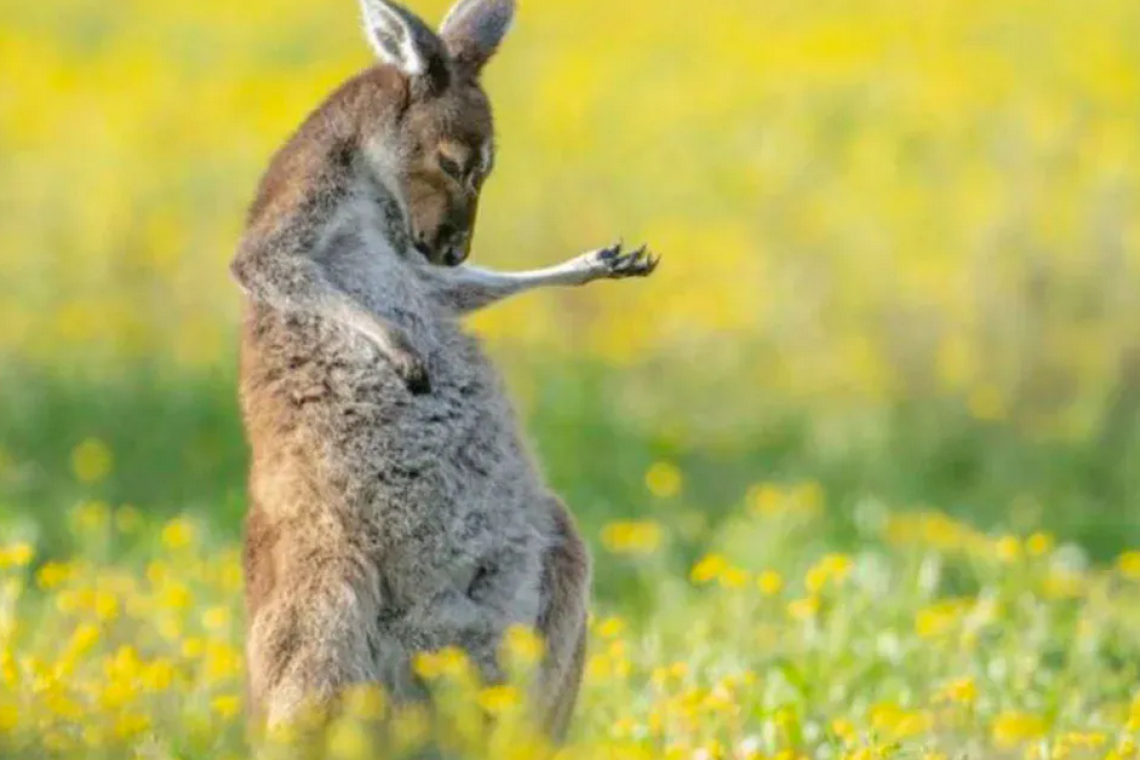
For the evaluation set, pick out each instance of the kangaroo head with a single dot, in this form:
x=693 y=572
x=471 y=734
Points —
x=439 y=146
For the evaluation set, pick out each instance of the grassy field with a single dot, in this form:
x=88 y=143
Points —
x=860 y=463
x=930 y=640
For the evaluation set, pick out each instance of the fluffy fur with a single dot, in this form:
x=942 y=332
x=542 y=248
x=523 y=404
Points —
x=394 y=507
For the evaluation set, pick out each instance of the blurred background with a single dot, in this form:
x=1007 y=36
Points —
x=901 y=253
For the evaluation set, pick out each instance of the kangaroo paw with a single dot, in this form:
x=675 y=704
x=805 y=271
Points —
x=616 y=263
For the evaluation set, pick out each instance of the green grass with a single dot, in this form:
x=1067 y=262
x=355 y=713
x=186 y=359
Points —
x=177 y=446
x=756 y=618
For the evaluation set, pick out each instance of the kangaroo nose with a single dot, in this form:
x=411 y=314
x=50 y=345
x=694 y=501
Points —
x=457 y=245
x=455 y=255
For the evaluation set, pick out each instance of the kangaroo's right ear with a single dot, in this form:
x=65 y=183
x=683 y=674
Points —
x=474 y=29
x=400 y=38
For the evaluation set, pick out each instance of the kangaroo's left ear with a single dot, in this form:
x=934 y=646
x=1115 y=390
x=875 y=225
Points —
x=474 y=29
x=400 y=38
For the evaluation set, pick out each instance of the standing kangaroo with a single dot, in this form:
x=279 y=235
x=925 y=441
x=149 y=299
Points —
x=394 y=507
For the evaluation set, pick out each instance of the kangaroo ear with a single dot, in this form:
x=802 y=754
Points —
x=473 y=30
x=400 y=38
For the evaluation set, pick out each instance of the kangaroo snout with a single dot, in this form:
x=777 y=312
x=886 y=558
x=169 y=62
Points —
x=451 y=247
x=456 y=248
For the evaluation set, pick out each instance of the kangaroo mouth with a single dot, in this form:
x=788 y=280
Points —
x=424 y=250
x=449 y=256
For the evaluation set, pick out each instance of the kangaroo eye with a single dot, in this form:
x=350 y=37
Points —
x=451 y=168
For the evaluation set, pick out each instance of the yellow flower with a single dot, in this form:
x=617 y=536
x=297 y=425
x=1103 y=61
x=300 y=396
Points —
x=939 y=619
x=498 y=699
x=175 y=596
x=1129 y=565
x=832 y=567
x=129 y=725
x=896 y=723
x=106 y=605
x=844 y=729
x=1008 y=549
x=733 y=578
x=764 y=499
x=709 y=568
x=193 y=648
x=216 y=618
x=1009 y=729
x=963 y=691
x=1134 y=715
x=91 y=461
x=1063 y=584
x=770 y=583
x=805 y=608
x=816 y=579
x=82 y=639
x=9 y=718
x=52 y=575
x=158 y=675
x=1039 y=544
x=632 y=537
x=16 y=555
x=663 y=480
x=522 y=645
x=365 y=702
x=222 y=661
x=178 y=534
x=227 y=706
x=610 y=627
x=449 y=662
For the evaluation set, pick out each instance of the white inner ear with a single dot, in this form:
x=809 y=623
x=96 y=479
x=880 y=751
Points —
x=392 y=38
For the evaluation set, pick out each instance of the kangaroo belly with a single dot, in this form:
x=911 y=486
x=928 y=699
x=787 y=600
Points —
x=435 y=488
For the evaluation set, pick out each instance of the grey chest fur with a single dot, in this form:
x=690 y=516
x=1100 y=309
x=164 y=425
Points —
x=435 y=489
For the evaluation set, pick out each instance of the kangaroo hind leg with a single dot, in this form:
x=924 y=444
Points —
x=311 y=641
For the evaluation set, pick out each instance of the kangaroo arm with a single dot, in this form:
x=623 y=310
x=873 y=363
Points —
x=465 y=289
x=293 y=282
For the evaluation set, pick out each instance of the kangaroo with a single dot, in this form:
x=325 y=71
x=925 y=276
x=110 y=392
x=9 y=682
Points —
x=394 y=506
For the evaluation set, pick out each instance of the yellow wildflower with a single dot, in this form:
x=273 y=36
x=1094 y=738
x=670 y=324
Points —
x=770 y=583
x=178 y=534
x=498 y=699
x=1011 y=728
x=708 y=568
x=663 y=480
x=1129 y=565
x=227 y=706
x=632 y=537
x=805 y=608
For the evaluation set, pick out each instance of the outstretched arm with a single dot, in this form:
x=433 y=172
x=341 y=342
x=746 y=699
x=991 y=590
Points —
x=292 y=281
x=465 y=289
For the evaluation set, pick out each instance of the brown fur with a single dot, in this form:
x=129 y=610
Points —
x=394 y=506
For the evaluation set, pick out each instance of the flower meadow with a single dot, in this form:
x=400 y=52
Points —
x=934 y=640
x=860 y=202
x=859 y=465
